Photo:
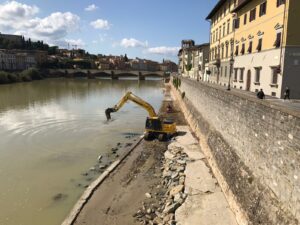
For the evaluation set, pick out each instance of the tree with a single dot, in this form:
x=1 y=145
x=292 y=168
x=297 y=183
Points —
x=125 y=58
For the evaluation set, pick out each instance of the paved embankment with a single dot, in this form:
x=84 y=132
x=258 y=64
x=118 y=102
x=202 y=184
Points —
x=205 y=203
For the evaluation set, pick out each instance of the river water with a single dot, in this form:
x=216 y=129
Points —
x=51 y=133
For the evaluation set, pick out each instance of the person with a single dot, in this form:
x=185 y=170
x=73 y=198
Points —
x=287 y=93
x=261 y=94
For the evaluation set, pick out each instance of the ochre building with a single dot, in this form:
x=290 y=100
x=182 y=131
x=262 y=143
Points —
x=266 y=46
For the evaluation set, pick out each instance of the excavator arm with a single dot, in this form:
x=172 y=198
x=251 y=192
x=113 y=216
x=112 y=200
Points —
x=130 y=96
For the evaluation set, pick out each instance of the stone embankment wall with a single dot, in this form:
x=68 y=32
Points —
x=253 y=148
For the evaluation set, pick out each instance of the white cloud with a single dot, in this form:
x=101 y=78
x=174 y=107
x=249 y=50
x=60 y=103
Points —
x=100 y=24
x=20 y=19
x=163 y=50
x=80 y=43
x=14 y=14
x=133 y=43
x=91 y=7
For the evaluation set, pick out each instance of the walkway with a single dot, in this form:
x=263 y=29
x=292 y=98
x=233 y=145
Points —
x=205 y=203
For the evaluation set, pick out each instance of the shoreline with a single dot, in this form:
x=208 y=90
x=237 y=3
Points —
x=87 y=194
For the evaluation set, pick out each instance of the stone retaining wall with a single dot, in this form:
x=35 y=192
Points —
x=253 y=149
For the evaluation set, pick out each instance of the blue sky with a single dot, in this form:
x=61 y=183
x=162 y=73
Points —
x=147 y=29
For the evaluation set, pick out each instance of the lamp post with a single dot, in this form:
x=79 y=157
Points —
x=231 y=61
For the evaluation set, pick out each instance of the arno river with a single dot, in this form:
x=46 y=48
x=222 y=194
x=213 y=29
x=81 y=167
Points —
x=51 y=133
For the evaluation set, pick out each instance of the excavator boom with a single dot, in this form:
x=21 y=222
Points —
x=130 y=96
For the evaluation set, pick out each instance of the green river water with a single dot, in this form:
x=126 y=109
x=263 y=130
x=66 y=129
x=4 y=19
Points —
x=51 y=133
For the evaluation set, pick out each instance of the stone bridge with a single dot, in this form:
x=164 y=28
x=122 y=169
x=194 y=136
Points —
x=113 y=74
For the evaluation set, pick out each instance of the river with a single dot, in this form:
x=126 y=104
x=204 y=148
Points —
x=51 y=133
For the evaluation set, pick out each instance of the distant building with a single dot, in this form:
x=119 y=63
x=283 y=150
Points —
x=168 y=66
x=16 y=39
x=192 y=59
x=144 y=65
x=12 y=60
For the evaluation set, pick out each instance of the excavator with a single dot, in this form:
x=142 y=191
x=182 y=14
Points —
x=156 y=127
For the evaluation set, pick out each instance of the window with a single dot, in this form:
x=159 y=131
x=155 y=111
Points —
x=280 y=2
x=243 y=49
x=257 y=75
x=216 y=34
x=274 y=79
x=228 y=26
x=225 y=71
x=245 y=18
x=237 y=23
x=221 y=71
x=242 y=74
x=263 y=9
x=235 y=74
x=224 y=30
x=273 y=94
x=278 y=40
x=226 y=50
x=252 y=14
x=259 y=46
x=223 y=52
x=236 y=50
x=250 y=47
x=220 y=32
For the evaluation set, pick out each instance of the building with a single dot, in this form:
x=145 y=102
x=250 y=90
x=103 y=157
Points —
x=168 y=66
x=15 y=39
x=12 y=60
x=267 y=47
x=221 y=41
x=255 y=44
x=192 y=59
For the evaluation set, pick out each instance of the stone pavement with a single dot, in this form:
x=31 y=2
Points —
x=205 y=203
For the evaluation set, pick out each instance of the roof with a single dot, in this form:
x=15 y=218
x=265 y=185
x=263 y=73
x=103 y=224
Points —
x=215 y=9
x=241 y=4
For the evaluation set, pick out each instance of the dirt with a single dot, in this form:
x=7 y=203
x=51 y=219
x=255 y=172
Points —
x=123 y=193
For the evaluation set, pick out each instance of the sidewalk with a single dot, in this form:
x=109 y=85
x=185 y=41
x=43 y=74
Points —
x=205 y=203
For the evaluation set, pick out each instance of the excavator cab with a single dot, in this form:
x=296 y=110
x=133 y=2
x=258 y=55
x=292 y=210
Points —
x=158 y=128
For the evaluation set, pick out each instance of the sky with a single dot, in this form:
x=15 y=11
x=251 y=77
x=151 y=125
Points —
x=151 y=29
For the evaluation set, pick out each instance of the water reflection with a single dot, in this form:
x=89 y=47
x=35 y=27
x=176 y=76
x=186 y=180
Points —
x=52 y=132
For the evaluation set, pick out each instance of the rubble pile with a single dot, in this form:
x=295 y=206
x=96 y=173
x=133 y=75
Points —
x=171 y=194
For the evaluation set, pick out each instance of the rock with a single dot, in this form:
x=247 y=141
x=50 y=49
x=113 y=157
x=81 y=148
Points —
x=181 y=162
x=114 y=150
x=169 y=155
x=102 y=167
x=59 y=197
x=119 y=144
x=180 y=168
x=149 y=211
x=148 y=195
x=171 y=208
x=92 y=169
x=168 y=217
x=99 y=158
x=174 y=175
x=128 y=144
x=175 y=190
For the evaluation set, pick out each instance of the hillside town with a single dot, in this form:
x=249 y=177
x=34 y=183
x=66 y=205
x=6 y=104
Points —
x=17 y=54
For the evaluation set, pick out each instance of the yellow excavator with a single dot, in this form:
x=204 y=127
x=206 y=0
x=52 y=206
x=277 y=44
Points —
x=163 y=129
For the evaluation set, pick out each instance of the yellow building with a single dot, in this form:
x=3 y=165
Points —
x=267 y=47
x=221 y=41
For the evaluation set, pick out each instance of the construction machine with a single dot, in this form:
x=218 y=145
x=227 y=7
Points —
x=156 y=127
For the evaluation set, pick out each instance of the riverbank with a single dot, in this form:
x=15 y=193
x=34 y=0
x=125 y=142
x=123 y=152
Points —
x=135 y=186
x=23 y=76
x=161 y=183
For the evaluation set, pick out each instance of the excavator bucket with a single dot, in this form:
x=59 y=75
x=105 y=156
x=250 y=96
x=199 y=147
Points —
x=108 y=111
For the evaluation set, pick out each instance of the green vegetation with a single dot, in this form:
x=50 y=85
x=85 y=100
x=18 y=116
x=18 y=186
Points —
x=188 y=67
x=25 y=76
x=176 y=82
